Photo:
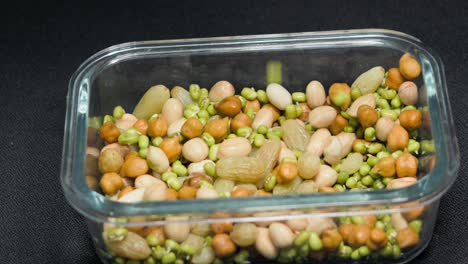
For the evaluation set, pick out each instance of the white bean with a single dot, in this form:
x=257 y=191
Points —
x=278 y=95
x=318 y=225
x=145 y=181
x=195 y=150
x=126 y=122
x=264 y=117
x=176 y=126
x=318 y=141
x=221 y=90
x=177 y=231
x=315 y=94
x=231 y=147
x=332 y=153
x=172 y=110
x=206 y=193
x=157 y=159
x=134 y=196
x=264 y=245
x=399 y=222
x=281 y=235
x=326 y=176
x=408 y=93
x=244 y=234
x=155 y=192
x=322 y=116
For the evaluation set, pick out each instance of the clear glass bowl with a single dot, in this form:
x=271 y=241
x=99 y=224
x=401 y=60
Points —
x=120 y=74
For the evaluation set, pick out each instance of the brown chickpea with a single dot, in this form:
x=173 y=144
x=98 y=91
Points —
x=398 y=138
x=141 y=125
x=378 y=236
x=357 y=141
x=326 y=189
x=275 y=111
x=187 y=192
x=338 y=125
x=385 y=167
x=195 y=178
x=241 y=192
x=406 y=165
x=157 y=127
x=91 y=181
x=222 y=245
x=331 y=239
x=346 y=230
x=109 y=132
x=407 y=238
x=367 y=116
x=240 y=120
x=413 y=214
x=156 y=231
x=305 y=112
x=287 y=171
x=110 y=160
x=171 y=194
x=139 y=229
x=219 y=228
x=135 y=167
x=131 y=155
x=369 y=220
x=254 y=105
x=218 y=128
x=192 y=128
x=359 y=236
x=110 y=183
x=262 y=192
x=409 y=67
x=394 y=79
x=172 y=148
x=229 y=106
x=410 y=119
x=124 y=191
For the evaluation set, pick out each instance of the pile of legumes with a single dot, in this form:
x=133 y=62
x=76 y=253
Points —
x=213 y=143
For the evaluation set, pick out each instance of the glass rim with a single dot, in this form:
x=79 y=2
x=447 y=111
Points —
x=96 y=206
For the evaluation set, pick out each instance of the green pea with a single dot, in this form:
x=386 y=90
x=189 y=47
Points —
x=397 y=154
x=380 y=225
x=299 y=110
x=367 y=180
x=371 y=161
x=168 y=258
x=108 y=118
x=389 y=113
x=304 y=250
x=386 y=219
x=189 y=113
x=413 y=134
x=378 y=184
x=117 y=233
x=119 y=260
x=369 y=134
x=340 y=98
x=302 y=238
x=143 y=153
x=251 y=113
x=348 y=129
x=224 y=194
x=231 y=136
x=428 y=146
x=241 y=257
x=391 y=233
x=209 y=139
x=244 y=131
x=396 y=251
x=309 y=128
x=262 y=129
x=149 y=260
x=290 y=111
x=409 y=107
x=206 y=184
x=345 y=251
x=242 y=99
x=364 y=169
x=203 y=114
x=174 y=183
x=355 y=254
x=187 y=249
x=339 y=187
x=351 y=183
x=251 y=137
x=211 y=110
x=167 y=175
x=289 y=159
x=143 y=141
x=271 y=135
x=357 y=219
x=387 y=251
x=299 y=97
x=355 y=93
x=259 y=140
x=297 y=153
x=270 y=182
x=157 y=141
x=374 y=148
x=381 y=91
x=262 y=96
x=383 y=153
x=396 y=102
x=153 y=240
x=364 y=251
x=194 y=90
x=118 y=112
x=413 y=146
x=314 y=241
x=130 y=136
x=353 y=122
x=416 y=225
x=208 y=240
x=383 y=104
x=131 y=261
x=204 y=92
x=390 y=94
x=158 y=252
x=386 y=180
x=213 y=153
x=179 y=169
x=342 y=177
x=172 y=245
x=210 y=169
x=249 y=93
x=278 y=131
x=360 y=147
x=179 y=261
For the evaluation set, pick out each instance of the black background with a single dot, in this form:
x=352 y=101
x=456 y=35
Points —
x=41 y=46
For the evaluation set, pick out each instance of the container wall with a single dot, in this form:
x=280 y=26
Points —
x=370 y=238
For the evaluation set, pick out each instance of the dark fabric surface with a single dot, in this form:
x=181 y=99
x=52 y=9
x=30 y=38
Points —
x=41 y=46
